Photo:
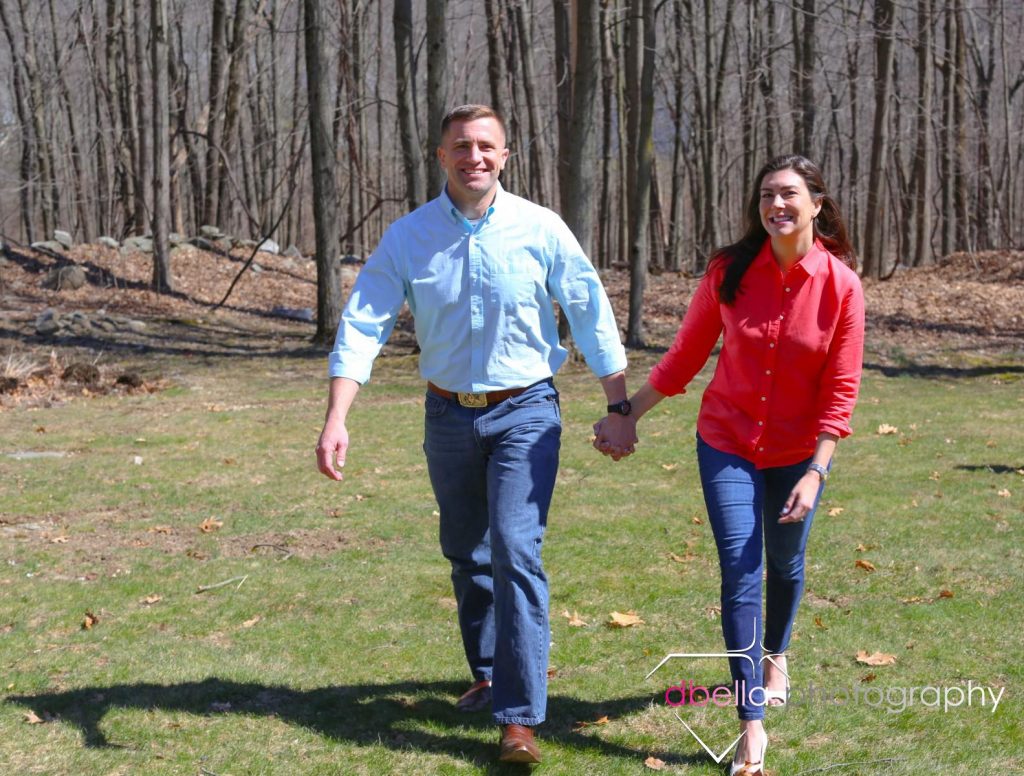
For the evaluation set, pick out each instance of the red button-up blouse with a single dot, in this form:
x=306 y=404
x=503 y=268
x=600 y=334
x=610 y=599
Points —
x=790 y=362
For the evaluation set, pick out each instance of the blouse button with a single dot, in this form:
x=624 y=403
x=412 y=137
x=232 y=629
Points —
x=764 y=398
x=771 y=344
x=787 y=289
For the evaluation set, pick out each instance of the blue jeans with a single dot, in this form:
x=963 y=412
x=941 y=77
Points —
x=743 y=505
x=493 y=472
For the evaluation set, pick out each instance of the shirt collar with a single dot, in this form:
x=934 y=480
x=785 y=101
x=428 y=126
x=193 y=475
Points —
x=456 y=215
x=810 y=263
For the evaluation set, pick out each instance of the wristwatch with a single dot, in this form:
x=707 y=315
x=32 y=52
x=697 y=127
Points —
x=620 y=408
x=818 y=469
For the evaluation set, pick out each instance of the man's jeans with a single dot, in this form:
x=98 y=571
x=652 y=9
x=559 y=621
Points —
x=493 y=471
x=743 y=507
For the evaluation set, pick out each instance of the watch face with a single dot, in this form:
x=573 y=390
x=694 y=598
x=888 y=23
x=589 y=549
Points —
x=622 y=408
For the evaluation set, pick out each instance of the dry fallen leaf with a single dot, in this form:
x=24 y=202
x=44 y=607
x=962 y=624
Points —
x=670 y=466
x=1005 y=493
x=819 y=623
x=864 y=564
x=89 y=621
x=697 y=521
x=552 y=673
x=599 y=721
x=869 y=677
x=862 y=548
x=34 y=719
x=574 y=619
x=59 y=540
x=836 y=511
x=885 y=428
x=161 y=529
x=624 y=619
x=946 y=594
x=875 y=658
x=934 y=476
x=149 y=600
x=681 y=558
x=210 y=524
x=654 y=763
x=914 y=599
x=253 y=621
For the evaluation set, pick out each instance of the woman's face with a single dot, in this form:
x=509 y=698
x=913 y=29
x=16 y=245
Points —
x=786 y=206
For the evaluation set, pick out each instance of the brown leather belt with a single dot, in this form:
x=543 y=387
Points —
x=476 y=399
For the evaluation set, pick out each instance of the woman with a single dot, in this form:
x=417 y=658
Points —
x=792 y=312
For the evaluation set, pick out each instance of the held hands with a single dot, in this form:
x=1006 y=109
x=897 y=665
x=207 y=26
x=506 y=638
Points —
x=801 y=499
x=615 y=436
x=332 y=448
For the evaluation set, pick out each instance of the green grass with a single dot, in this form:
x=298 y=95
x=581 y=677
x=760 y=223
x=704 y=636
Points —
x=354 y=661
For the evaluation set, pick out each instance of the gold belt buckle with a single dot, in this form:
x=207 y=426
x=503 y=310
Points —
x=475 y=400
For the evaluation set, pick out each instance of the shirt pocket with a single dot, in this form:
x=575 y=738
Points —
x=516 y=280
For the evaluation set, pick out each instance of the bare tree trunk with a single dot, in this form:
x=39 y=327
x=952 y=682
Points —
x=218 y=55
x=923 y=156
x=949 y=165
x=325 y=192
x=765 y=81
x=563 y=95
x=640 y=76
x=144 y=162
x=885 y=18
x=579 y=209
x=26 y=169
x=232 y=100
x=496 y=75
x=538 y=189
x=608 y=70
x=162 y=281
x=45 y=162
x=412 y=156
x=437 y=89
x=803 y=46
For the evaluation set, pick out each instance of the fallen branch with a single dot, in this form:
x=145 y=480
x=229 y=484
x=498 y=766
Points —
x=204 y=588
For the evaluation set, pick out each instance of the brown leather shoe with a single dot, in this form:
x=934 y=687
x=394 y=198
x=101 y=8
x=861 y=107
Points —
x=476 y=698
x=518 y=746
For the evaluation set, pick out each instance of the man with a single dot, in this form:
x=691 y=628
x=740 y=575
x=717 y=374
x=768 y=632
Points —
x=479 y=268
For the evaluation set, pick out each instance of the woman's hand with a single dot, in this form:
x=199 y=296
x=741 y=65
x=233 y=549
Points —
x=801 y=499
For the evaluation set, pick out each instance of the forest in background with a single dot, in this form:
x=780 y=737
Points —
x=314 y=122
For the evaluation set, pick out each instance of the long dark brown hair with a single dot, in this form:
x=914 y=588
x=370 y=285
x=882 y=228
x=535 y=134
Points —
x=828 y=225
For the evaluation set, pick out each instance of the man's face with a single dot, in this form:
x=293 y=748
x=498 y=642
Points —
x=473 y=153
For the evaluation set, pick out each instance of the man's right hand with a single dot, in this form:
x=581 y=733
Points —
x=332 y=448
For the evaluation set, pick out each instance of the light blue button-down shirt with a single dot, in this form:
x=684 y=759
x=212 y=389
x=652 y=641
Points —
x=481 y=295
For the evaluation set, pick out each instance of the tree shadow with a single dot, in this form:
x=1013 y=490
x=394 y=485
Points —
x=994 y=468
x=397 y=715
x=935 y=370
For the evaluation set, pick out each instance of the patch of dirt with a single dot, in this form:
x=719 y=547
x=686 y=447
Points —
x=96 y=539
x=967 y=304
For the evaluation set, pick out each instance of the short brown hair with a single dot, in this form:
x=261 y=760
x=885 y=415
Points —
x=471 y=112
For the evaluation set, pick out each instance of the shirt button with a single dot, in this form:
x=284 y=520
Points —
x=771 y=344
x=764 y=398
x=767 y=371
x=760 y=422
x=781 y=316
x=760 y=449
x=787 y=289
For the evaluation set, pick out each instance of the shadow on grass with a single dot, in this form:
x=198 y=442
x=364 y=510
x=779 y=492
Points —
x=934 y=370
x=994 y=468
x=390 y=715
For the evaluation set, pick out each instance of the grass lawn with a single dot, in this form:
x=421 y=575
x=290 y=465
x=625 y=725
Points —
x=334 y=649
